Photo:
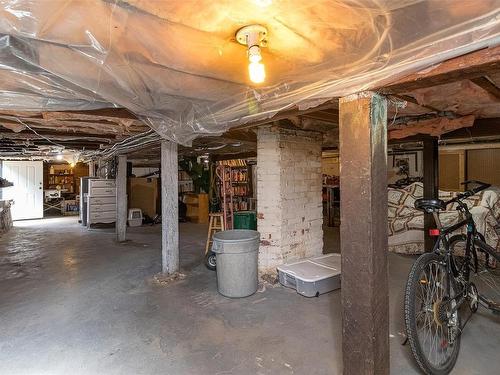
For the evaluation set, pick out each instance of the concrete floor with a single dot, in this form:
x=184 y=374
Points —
x=73 y=301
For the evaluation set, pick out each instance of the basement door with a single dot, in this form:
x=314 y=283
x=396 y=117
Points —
x=27 y=192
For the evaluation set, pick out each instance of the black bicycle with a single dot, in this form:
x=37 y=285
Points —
x=441 y=285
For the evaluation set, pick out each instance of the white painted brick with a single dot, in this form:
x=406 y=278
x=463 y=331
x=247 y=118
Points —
x=289 y=184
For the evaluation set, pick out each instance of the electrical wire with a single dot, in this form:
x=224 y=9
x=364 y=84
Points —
x=34 y=131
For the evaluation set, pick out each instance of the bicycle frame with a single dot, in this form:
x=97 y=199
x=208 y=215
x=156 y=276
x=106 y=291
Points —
x=474 y=240
x=442 y=283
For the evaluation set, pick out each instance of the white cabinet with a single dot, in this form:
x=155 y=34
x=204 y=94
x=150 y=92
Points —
x=101 y=202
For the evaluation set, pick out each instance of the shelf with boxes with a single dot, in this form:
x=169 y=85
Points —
x=239 y=176
x=185 y=182
x=61 y=177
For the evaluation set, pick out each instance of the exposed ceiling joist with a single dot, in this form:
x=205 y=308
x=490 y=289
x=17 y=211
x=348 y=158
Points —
x=113 y=114
x=483 y=128
x=54 y=137
x=86 y=126
x=487 y=85
x=411 y=99
x=469 y=66
x=434 y=127
x=329 y=105
x=326 y=116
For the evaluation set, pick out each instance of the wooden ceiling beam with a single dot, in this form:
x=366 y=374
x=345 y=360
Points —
x=241 y=155
x=411 y=99
x=290 y=114
x=62 y=142
x=60 y=137
x=236 y=135
x=482 y=128
x=50 y=133
x=71 y=126
x=434 y=127
x=108 y=114
x=322 y=116
x=469 y=66
x=487 y=86
x=73 y=145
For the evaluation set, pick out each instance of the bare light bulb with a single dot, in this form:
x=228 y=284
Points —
x=254 y=54
x=254 y=37
x=257 y=72
x=263 y=3
x=59 y=157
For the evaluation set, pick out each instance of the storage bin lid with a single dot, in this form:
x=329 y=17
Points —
x=313 y=269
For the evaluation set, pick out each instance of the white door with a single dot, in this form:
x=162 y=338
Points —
x=27 y=192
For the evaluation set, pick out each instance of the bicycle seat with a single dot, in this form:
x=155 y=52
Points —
x=429 y=205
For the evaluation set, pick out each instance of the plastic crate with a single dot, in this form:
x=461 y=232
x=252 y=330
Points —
x=312 y=276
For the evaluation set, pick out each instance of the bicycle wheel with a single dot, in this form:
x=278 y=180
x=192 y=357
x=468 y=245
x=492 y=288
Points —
x=487 y=277
x=432 y=331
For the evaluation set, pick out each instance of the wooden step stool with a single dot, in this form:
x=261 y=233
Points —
x=215 y=224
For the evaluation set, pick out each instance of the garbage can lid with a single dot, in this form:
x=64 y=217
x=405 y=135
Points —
x=235 y=237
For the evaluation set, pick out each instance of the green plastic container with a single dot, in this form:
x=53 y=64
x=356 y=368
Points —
x=245 y=220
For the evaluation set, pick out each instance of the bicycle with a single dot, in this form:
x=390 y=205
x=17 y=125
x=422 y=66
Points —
x=440 y=286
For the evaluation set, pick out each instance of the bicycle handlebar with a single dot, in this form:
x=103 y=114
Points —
x=482 y=186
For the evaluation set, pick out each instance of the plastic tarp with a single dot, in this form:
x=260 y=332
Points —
x=177 y=66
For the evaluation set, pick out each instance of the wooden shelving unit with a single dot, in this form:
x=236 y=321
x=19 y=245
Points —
x=63 y=178
x=241 y=183
x=197 y=207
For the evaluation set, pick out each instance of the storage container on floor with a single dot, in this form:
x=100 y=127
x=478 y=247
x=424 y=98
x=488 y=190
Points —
x=135 y=217
x=312 y=276
x=237 y=254
x=245 y=220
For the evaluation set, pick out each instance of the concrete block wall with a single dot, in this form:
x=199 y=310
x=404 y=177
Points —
x=289 y=184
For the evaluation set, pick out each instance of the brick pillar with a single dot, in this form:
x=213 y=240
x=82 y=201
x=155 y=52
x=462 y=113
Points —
x=289 y=202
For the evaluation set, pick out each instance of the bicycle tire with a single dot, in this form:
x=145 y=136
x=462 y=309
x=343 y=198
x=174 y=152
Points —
x=486 y=280
x=413 y=282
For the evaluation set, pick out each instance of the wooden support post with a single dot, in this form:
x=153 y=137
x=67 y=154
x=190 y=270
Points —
x=100 y=165
x=363 y=234
x=121 y=198
x=431 y=185
x=169 y=208
x=91 y=168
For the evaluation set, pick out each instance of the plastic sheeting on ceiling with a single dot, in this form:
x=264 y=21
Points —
x=177 y=65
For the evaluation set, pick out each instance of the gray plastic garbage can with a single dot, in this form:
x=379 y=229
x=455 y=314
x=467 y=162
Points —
x=237 y=254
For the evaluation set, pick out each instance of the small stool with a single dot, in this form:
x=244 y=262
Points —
x=215 y=224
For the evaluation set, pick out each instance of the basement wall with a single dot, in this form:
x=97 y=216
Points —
x=289 y=188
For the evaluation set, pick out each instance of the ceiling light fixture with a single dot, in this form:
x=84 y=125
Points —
x=263 y=3
x=254 y=37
